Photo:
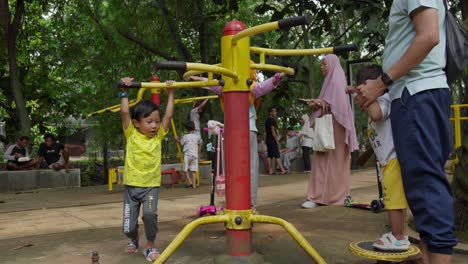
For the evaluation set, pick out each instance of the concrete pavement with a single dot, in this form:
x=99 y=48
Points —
x=61 y=226
x=109 y=214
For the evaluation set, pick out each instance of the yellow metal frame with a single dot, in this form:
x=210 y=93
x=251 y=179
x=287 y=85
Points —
x=229 y=219
x=457 y=118
x=235 y=51
x=290 y=52
x=112 y=172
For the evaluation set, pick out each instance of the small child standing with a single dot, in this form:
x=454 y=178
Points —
x=190 y=142
x=144 y=133
x=380 y=134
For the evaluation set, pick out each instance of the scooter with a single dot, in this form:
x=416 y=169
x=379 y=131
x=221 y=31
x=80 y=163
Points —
x=375 y=206
x=217 y=180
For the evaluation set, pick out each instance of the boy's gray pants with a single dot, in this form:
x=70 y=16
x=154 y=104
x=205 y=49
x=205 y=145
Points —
x=133 y=198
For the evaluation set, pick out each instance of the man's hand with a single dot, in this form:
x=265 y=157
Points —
x=369 y=91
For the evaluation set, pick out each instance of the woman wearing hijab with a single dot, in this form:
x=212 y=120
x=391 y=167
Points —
x=329 y=178
x=306 y=136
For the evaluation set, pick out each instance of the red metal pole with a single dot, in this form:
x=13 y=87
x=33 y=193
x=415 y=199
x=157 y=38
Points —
x=236 y=117
x=155 y=95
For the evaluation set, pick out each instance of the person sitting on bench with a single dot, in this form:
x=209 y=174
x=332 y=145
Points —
x=54 y=153
x=17 y=156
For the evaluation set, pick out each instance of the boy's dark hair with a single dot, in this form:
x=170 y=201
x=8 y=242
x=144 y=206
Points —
x=24 y=138
x=51 y=136
x=271 y=108
x=143 y=109
x=370 y=72
x=190 y=125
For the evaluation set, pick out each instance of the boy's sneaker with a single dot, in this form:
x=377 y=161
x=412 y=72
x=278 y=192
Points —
x=132 y=246
x=390 y=243
x=151 y=254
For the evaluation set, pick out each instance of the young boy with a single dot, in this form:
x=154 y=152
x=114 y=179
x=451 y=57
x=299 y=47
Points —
x=190 y=142
x=144 y=133
x=380 y=134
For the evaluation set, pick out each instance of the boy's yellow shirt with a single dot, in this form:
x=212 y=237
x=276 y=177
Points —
x=143 y=158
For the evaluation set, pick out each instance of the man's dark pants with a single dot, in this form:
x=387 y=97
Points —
x=423 y=141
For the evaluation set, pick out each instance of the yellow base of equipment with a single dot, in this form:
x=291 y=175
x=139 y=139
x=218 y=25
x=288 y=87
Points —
x=365 y=249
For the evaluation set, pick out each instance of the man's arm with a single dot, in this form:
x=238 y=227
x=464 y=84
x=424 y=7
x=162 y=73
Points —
x=425 y=22
x=8 y=155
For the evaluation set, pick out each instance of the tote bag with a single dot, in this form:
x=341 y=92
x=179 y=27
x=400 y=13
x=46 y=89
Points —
x=323 y=134
x=456 y=47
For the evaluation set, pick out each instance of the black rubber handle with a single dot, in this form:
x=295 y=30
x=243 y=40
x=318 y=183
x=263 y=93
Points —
x=344 y=48
x=292 y=22
x=171 y=65
x=121 y=84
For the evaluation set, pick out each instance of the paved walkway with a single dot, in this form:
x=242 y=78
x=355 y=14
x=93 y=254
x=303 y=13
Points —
x=64 y=226
x=105 y=214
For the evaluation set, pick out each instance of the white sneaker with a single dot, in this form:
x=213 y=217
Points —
x=309 y=204
x=390 y=243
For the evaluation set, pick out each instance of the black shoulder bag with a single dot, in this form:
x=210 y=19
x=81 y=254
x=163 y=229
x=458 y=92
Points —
x=456 y=47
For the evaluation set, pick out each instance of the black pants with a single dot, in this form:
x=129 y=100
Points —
x=306 y=158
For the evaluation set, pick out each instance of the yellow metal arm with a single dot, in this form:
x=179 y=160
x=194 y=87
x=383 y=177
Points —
x=291 y=52
x=192 y=99
x=189 y=73
x=211 y=68
x=270 y=67
x=280 y=24
x=114 y=108
x=300 y=239
x=254 y=30
x=149 y=85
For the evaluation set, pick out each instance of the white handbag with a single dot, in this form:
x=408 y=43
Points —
x=323 y=134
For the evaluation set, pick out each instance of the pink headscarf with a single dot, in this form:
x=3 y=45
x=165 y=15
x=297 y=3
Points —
x=333 y=92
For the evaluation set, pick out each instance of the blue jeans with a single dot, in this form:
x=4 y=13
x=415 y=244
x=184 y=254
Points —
x=423 y=141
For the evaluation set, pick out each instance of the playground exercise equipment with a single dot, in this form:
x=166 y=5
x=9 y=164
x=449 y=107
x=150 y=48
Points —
x=457 y=118
x=235 y=66
x=155 y=97
x=169 y=177
x=375 y=206
x=366 y=250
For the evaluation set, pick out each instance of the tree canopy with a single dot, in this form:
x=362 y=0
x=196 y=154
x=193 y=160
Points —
x=61 y=57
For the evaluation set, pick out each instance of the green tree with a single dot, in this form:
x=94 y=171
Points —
x=10 y=18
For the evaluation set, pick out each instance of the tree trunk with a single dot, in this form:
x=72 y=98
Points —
x=11 y=32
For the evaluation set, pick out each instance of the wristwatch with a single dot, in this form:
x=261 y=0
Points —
x=386 y=79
